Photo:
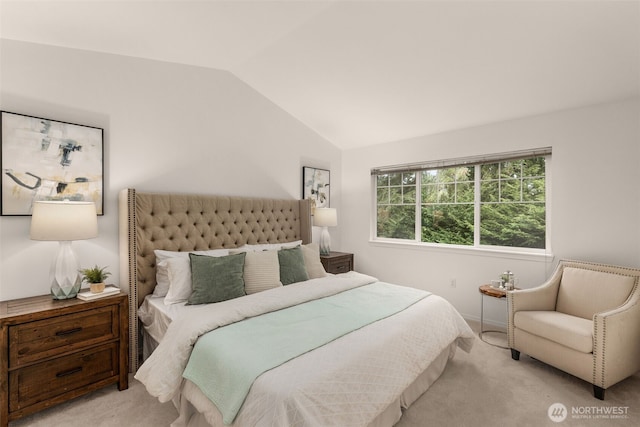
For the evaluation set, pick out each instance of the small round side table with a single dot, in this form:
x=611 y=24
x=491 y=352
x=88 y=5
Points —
x=490 y=291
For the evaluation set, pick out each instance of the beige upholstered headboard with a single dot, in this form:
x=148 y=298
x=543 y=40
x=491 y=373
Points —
x=189 y=222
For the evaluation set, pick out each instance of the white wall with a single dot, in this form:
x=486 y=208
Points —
x=168 y=127
x=595 y=201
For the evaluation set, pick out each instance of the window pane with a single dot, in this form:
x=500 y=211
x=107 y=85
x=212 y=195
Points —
x=464 y=192
x=504 y=219
x=489 y=191
x=510 y=190
x=429 y=193
x=383 y=195
x=510 y=169
x=489 y=171
x=451 y=224
x=408 y=178
x=429 y=177
x=395 y=179
x=397 y=222
x=513 y=224
x=395 y=195
x=409 y=195
x=382 y=180
x=448 y=193
x=534 y=190
x=464 y=174
x=533 y=167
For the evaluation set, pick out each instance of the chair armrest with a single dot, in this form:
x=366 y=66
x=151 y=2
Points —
x=540 y=298
x=616 y=336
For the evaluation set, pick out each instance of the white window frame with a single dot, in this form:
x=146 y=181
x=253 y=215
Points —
x=476 y=161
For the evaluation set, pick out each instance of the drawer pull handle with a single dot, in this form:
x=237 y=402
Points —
x=69 y=372
x=68 y=332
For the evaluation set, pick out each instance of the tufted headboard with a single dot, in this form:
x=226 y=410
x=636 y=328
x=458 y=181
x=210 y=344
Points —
x=190 y=222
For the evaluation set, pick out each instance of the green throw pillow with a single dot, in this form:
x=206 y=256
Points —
x=216 y=279
x=292 y=268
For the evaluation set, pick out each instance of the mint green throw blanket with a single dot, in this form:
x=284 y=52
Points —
x=225 y=362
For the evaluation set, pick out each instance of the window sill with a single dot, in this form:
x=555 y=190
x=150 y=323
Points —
x=465 y=250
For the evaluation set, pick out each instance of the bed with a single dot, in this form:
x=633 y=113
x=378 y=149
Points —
x=361 y=376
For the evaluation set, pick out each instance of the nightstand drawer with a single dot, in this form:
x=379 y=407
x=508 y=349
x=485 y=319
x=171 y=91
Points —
x=55 y=377
x=341 y=266
x=33 y=341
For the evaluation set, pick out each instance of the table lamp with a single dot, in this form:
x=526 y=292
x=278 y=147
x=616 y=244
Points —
x=64 y=221
x=325 y=217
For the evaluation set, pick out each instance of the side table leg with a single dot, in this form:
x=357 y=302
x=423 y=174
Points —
x=481 y=314
x=482 y=330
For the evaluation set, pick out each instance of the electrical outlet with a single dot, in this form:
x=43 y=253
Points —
x=452 y=283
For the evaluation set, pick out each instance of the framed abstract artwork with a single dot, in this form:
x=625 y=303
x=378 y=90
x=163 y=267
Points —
x=316 y=186
x=45 y=159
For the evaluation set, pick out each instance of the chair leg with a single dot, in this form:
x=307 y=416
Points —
x=598 y=392
x=515 y=354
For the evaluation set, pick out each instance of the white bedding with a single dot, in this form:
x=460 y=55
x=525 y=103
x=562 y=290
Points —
x=156 y=316
x=349 y=381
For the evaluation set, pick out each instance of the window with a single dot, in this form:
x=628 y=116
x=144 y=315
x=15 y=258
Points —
x=495 y=201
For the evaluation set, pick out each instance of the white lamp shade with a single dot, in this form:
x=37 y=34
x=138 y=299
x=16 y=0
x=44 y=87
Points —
x=63 y=221
x=325 y=217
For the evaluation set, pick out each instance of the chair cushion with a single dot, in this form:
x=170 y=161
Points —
x=584 y=293
x=571 y=331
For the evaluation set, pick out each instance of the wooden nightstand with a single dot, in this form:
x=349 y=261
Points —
x=337 y=262
x=55 y=350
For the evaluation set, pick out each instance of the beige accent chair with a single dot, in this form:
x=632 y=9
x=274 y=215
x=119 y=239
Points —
x=585 y=320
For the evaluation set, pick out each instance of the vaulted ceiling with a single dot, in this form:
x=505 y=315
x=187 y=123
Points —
x=366 y=72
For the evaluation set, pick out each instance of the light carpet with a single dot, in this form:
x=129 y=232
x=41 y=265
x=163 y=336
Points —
x=484 y=388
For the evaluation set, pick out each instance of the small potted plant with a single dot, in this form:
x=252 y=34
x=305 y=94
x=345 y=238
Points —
x=95 y=276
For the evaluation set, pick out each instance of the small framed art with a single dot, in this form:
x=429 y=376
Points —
x=44 y=159
x=316 y=186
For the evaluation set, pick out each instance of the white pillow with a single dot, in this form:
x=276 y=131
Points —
x=162 y=277
x=162 y=255
x=179 y=274
x=270 y=246
x=311 y=254
x=261 y=271
x=162 y=280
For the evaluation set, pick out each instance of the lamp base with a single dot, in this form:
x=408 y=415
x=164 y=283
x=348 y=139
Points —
x=64 y=277
x=325 y=242
x=60 y=292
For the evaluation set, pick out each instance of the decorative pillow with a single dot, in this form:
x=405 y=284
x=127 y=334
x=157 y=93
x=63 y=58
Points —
x=162 y=277
x=271 y=246
x=311 y=254
x=179 y=276
x=292 y=268
x=216 y=279
x=261 y=271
